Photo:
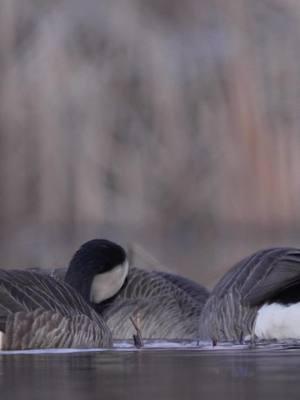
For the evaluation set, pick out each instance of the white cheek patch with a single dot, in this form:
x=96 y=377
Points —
x=1 y=340
x=277 y=321
x=107 y=284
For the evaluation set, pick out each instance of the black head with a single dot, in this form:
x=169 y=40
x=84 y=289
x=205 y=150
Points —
x=93 y=257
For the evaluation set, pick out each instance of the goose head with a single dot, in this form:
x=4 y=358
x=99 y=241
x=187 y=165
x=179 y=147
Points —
x=98 y=270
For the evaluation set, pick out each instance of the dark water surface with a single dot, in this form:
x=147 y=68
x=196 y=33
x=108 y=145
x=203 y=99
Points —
x=152 y=374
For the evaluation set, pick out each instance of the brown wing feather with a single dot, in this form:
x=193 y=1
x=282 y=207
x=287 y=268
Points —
x=28 y=291
x=49 y=329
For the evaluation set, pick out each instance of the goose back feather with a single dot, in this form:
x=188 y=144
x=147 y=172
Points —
x=165 y=306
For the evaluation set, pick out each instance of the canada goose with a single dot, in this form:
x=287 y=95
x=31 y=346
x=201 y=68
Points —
x=38 y=311
x=164 y=306
x=259 y=297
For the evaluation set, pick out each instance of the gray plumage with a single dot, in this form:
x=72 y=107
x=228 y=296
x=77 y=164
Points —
x=50 y=329
x=37 y=310
x=271 y=275
x=164 y=306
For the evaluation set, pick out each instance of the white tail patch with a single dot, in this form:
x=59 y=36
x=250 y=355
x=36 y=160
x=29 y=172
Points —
x=277 y=321
x=1 y=340
x=107 y=284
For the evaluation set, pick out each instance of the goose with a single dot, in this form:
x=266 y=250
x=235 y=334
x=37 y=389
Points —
x=162 y=305
x=259 y=298
x=39 y=311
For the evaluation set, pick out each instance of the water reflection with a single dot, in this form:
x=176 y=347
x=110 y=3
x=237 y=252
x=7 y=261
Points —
x=151 y=374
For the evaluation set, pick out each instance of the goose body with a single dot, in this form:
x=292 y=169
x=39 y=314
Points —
x=258 y=297
x=163 y=306
x=38 y=311
x=97 y=294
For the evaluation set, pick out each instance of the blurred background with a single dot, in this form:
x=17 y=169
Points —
x=170 y=127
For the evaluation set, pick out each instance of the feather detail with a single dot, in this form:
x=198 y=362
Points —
x=25 y=295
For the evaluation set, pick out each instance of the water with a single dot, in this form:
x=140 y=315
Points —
x=172 y=372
